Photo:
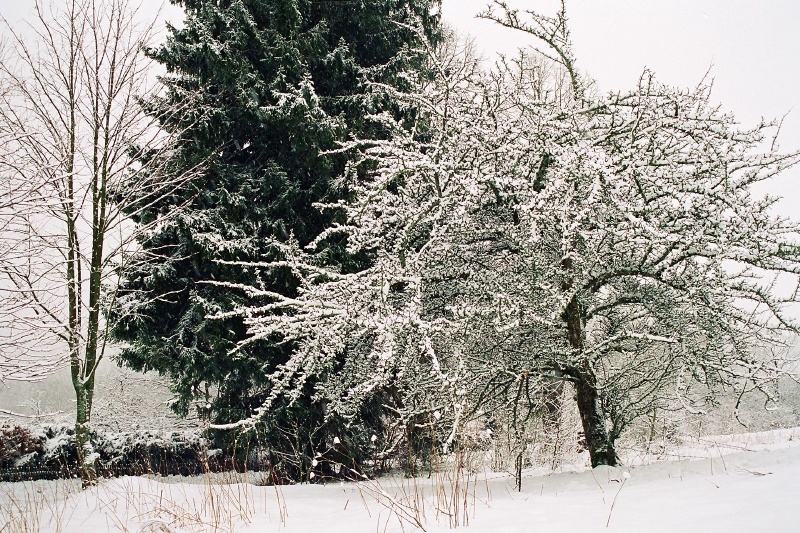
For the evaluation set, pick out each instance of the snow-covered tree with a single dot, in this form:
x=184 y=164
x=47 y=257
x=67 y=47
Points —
x=70 y=127
x=613 y=242
x=426 y=319
x=668 y=260
x=275 y=85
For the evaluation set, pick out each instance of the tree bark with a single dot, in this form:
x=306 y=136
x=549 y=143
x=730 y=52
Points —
x=83 y=444
x=601 y=448
x=598 y=441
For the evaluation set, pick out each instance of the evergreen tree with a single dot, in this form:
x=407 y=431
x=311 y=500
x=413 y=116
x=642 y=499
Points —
x=274 y=86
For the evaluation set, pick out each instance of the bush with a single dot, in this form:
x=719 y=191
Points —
x=17 y=445
x=48 y=452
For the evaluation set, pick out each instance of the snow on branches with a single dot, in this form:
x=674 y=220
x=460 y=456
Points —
x=515 y=230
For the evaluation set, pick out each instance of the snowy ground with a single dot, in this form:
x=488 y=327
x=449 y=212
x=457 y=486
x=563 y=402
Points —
x=741 y=483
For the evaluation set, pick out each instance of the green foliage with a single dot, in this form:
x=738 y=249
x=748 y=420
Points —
x=261 y=93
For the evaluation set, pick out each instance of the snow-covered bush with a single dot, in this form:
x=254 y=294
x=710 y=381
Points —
x=17 y=444
x=46 y=452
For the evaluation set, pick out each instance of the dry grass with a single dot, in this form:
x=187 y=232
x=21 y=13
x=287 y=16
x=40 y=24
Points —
x=207 y=504
x=447 y=497
x=32 y=506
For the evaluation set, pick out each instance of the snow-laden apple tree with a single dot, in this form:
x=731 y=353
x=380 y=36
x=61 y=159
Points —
x=613 y=242
x=668 y=259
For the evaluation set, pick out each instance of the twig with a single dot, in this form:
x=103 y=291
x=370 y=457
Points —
x=20 y=415
x=625 y=478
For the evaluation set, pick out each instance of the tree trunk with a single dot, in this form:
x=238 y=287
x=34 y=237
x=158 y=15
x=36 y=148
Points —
x=601 y=448
x=553 y=398
x=83 y=443
x=598 y=441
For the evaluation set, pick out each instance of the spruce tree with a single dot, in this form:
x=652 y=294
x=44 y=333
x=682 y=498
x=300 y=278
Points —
x=272 y=87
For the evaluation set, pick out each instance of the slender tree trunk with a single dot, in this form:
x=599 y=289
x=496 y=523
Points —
x=84 y=389
x=86 y=459
x=84 y=386
x=553 y=399
x=598 y=441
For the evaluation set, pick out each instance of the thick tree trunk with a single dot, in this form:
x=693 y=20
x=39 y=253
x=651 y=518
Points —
x=601 y=449
x=598 y=441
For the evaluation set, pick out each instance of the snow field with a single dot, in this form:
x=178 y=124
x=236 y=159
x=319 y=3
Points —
x=744 y=483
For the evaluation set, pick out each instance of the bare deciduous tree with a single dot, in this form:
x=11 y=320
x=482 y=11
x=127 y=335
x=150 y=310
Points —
x=72 y=131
